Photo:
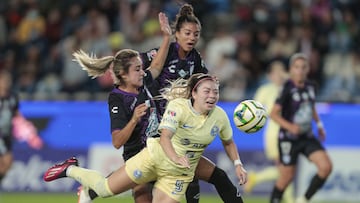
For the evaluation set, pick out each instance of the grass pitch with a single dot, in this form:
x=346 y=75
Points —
x=71 y=197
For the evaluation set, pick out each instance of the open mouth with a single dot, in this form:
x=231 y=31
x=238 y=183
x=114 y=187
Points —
x=190 y=44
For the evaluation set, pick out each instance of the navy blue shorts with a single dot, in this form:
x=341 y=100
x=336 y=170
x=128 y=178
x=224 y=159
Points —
x=290 y=149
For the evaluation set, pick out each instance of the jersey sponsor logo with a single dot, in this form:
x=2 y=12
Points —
x=115 y=109
x=185 y=141
x=199 y=145
x=171 y=113
x=186 y=126
x=169 y=120
x=172 y=68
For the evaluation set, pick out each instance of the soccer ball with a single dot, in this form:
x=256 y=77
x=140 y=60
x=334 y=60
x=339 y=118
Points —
x=249 y=116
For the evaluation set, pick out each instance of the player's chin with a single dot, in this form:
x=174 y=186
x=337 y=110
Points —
x=210 y=106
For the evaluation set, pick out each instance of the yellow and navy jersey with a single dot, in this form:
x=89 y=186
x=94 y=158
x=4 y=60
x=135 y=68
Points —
x=267 y=94
x=193 y=131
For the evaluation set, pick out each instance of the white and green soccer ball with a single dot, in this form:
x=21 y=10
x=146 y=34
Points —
x=250 y=116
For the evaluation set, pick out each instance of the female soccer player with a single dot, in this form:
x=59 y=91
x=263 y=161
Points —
x=190 y=123
x=294 y=111
x=132 y=118
x=182 y=61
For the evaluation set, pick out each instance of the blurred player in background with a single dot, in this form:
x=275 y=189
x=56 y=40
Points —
x=190 y=123
x=182 y=61
x=12 y=124
x=267 y=94
x=294 y=111
x=133 y=114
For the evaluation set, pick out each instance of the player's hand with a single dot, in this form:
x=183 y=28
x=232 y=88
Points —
x=182 y=161
x=322 y=134
x=241 y=174
x=139 y=111
x=164 y=24
x=294 y=129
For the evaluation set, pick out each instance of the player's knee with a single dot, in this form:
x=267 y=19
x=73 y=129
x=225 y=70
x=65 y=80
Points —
x=325 y=169
x=194 y=184
x=218 y=176
x=142 y=192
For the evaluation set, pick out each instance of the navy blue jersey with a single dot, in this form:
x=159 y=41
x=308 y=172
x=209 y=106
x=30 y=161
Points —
x=297 y=107
x=174 y=67
x=8 y=107
x=121 y=107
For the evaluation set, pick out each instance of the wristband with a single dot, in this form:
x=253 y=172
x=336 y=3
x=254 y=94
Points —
x=237 y=162
x=320 y=125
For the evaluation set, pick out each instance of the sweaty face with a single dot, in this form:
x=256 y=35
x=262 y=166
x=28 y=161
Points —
x=188 y=36
x=134 y=78
x=205 y=96
x=299 y=70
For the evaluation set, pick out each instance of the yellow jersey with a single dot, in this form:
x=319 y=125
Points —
x=267 y=95
x=193 y=132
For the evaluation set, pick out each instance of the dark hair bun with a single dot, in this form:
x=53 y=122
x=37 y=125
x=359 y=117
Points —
x=186 y=9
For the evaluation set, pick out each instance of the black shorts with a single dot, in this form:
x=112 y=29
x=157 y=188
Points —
x=5 y=145
x=289 y=149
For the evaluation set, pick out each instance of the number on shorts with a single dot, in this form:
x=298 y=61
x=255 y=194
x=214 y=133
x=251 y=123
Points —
x=179 y=184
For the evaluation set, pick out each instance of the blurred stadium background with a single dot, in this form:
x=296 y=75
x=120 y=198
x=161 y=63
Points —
x=239 y=39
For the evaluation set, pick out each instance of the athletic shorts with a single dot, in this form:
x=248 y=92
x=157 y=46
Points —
x=143 y=168
x=5 y=145
x=290 y=150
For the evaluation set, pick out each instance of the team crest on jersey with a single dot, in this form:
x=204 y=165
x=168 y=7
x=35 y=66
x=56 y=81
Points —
x=214 y=131
x=137 y=174
x=151 y=54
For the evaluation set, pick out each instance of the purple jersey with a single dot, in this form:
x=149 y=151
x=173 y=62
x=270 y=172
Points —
x=8 y=107
x=121 y=107
x=174 y=67
x=297 y=107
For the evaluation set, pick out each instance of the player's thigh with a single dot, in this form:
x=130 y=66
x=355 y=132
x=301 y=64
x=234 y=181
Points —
x=161 y=196
x=143 y=193
x=322 y=161
x=119 y=181
x=141 y=167
x=204 y=169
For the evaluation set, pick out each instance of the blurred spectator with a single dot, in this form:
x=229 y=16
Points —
x=132 y=15
x=73 y=78
x=222 y=44
x=74 y=17
x=32 y=27
x=340 y=82
x=54 y=26
x=28 y=70
x=254 y=33
x=283 y=45
x=236 y=86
